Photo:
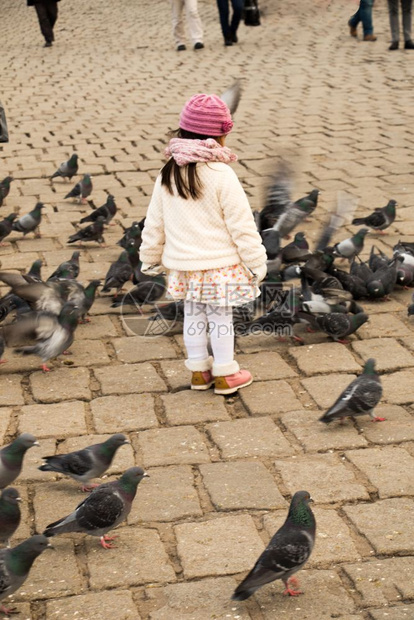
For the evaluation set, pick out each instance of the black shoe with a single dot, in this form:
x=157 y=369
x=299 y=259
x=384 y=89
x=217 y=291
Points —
x=409 y=45
x=228 y=42
x=181 y=48
x=48 y=44
x=234 y=37
x=394 y=45
x=199 y=45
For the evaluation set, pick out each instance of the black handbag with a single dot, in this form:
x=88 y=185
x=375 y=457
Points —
x=251 y=13
x=4 y=134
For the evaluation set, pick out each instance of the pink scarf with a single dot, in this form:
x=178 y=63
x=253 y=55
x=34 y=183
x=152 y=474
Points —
x=186 y=151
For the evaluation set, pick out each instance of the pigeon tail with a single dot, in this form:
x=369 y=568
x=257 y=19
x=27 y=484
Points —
x=358 y=221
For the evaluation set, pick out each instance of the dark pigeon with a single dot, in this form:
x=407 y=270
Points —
x=380 y=219
x=360 y=397
x=338 y=325
x=93 y=232
x=5 y=188
x=6 y=226
x=287 y=552
x=296 y=212
x=120 y=271
x=105 y=508
x=67 y=269
x=9 y=514
x=107 y=211
x=15 y=565
x=11 y=458
x=83 y=465
x=278 y=197
x=29 y=222
x=67 y=169
x=134 y=232
x=81 y=190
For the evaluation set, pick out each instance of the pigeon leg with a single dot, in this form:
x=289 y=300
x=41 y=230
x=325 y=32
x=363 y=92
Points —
x=298 y=339
x=37 y=235
x=7 y=611
x=87 y=488
x=310 y=330
x=3 y=245
x=378 y=419
x=104 y=542
x=45 y=368
x=288 y=591
x=342 y=341
x=3 y=361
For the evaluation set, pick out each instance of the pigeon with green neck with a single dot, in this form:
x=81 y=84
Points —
x=9 y=514
x=107 y=211
x=68 y=269
x=81 y=190
x=93 y=232
x=30 y=221
x=83 y=465
x=380 y=219
x=296 y=213
x=105 y=508
x=349 y=248
x=11 y=458
x=360 y=397
x=287 y=552
x=67 y=169
x=15 y=565
x=338 y=325
x=121 y=270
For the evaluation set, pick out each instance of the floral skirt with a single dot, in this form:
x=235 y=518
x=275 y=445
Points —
x=226 y=286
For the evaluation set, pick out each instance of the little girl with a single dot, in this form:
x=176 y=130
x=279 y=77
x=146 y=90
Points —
x=200 y=227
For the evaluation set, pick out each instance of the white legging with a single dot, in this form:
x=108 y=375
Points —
x=203 y=319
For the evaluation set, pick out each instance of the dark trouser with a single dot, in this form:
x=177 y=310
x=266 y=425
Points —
x=230 y=27
x=47 y=12
x=406 y=19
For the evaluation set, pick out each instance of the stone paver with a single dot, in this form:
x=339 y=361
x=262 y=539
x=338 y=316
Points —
x=222 y=470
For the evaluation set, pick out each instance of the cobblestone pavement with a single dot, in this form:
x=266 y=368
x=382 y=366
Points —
x=222 y=471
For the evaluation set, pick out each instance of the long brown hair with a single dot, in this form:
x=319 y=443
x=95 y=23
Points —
x=186 y=179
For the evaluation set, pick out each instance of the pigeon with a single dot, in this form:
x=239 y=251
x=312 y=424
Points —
x=173 y=311
x=2 y=347
x=9 y=514
x=15 y=565
x=68 y=269
x=360 y=397
x=231 y=96
x=81 y=190
x=338 y=325
x=107 y=211
x=134 y=233
x=105 y=508
x=6 y=226
x=67 y=169
x=271 y=242
x=93 y=232
x=11 y=302
x=343 y=210
x=296 y=212
x=120 y=271
x=377 y=259
x=349 y=248
x=34 y=274
x=11 y=458
x=29 y=222
x=286 y=553
x=89 y=293
x=46 y=296
x=148 y=289
x=278 y=197
x=279 y=320
x=83 y=465
x=297 y=250
x=351 y=283
x=52 y=334
x=380 y=219
x=5 y=188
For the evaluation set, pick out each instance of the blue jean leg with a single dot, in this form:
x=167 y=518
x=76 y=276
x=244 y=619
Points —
x=228 y=27
x=364 y=15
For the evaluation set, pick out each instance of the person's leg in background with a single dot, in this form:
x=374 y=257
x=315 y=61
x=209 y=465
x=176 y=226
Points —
x=406 y=6
x=44 y=23
x=366 y=18
x=194 y=23
x=177 y=23
x=52 y=14
x=354 y=21
x=223 y=7
x=394 y=25
x=236 y=17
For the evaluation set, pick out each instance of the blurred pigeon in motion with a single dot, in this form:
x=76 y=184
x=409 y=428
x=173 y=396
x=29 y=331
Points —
x=287 y=552
x=5 y=188
x=231 y=96
x=271 y=242
x=68 y=269
x=81 y=190
x=351 y=247
x=11 y=302
x=296 y=212
x=6 y=226
x=15 y=565
x=30 y=221
x=344 y=208
x=46 y=296
x=360 y=397
x=83 y=465
x=93 y=232
x=52 y=334
x=9 y=514
x=87 y=300
x=107 y=211
x=11 y=458
x=68 y=168
x=278 y=197
x=380 y=219
x=105 y=508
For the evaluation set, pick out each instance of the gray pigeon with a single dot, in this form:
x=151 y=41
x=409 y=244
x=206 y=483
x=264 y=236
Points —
x=278 y=197
x=46 y=296
x=107 y=211
x=9 y=514
x=29 y=222
x=6 y=226
x=360 y=397
x=15 y=565
x=67 y=169
x=338 y=325
x=81 y=190
x=122 y=269
x=52 y=334
x=105 y=508
x=11 y=458
x=286 y=553
x=5 y=188
x=67 y=269
x=231 y=96
x=349 y=248
x=83 y=465
x=296 y=212
x=93 y=232
x=380 y=219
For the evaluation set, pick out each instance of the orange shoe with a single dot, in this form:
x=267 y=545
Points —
x=370 y=37
x=202 y=380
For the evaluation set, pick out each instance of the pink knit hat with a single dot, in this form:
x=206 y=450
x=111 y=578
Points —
x=206 y=115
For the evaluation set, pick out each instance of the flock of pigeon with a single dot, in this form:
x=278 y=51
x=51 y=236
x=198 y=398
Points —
x=327 y=298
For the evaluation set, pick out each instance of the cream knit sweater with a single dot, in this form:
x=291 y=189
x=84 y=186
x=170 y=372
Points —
x=217 y=230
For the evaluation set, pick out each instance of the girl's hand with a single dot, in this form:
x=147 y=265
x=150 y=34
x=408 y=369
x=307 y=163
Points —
x=151 y=270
